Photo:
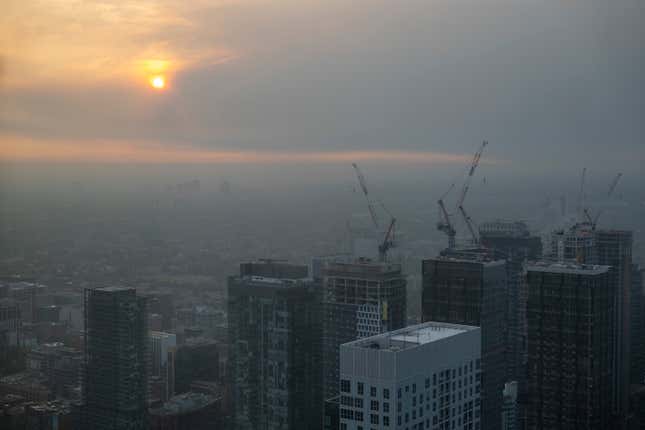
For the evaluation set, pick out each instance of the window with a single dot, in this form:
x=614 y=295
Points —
x=343 y=426
x=374 y=418
x=344 y=386
x=386 y=393
x=359 y=388
x=398 y=393
x=347 y=414
x=427 y=382
x=358 y=416
x=374 y=405
x=414 y=388
x=386 y=421
x=386 y=407
x=373 y=391
x=358 y=403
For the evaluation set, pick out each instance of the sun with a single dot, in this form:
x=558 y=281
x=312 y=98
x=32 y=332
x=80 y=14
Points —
x=158 y=82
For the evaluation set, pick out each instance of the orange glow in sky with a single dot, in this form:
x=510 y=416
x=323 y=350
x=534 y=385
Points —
x=20 y=149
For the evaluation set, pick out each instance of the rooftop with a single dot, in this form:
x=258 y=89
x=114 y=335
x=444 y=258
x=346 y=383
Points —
x=412 y=336
x=184 y=403
x=566 y=267
x=113 y=289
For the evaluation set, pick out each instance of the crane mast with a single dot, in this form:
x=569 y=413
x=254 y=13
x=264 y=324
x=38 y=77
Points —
x=581 y=193
x=388 y=241
x=444 y=224
x=464 y=192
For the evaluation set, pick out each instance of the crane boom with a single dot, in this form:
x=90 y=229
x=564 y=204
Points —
x=469 y=224
x=581 y=193
x=363 y=184
x=388 y=241
x=471 y=172
x=464 y=191
x=612 y=187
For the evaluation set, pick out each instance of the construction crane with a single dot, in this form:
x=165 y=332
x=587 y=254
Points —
x=388 y=239
x=444 y=224
x=612 y=187
x=363 y=184
x=464 y=191
x=581 y=193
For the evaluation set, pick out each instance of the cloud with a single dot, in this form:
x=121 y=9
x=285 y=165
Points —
x=545 y=82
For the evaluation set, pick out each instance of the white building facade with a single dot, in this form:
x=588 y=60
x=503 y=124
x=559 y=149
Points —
x=425 y=376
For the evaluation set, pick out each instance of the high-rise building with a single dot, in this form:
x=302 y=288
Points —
x=637 y=327
x=361 y=298
x=275 y=355
x=513 y=241
x=588 y=245
x=115 y=379
x=425 y=376
x=569 y=339
x=510 y=417
x=468 y=287
x=10 y=325
x=60 y=365
x=163 y=347
x=614 y=248
x=196 y=360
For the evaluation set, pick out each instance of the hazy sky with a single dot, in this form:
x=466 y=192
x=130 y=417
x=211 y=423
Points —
x=550 y=84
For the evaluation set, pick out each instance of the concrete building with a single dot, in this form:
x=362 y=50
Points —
x=468 y=287
x=637 y=327
x=115 y=380
x=569 y=339
x=361 y=298
x=60 y=365
x=274 y=331
x=585 y=244
x=188 y=411
x=163 y=348
x=196 y=360
x=510 y=417
x=10 y=327
x=513 y=241
x=425 y=376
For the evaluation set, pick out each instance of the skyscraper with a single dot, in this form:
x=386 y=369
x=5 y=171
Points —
x=468 y=287
x=361 y=298
x=588 y=245
x=637 y=327
x=115 y=380
x=163 y=348
x=569 y=339
x=513 y=241
x=425 y=376
x=275 y=355
x=614 y=248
